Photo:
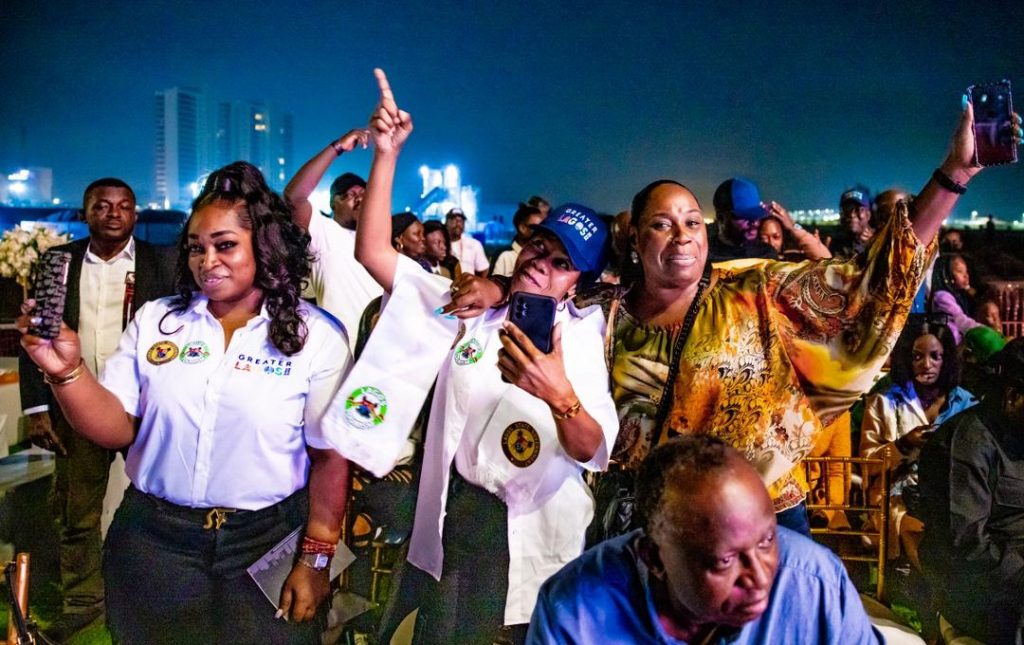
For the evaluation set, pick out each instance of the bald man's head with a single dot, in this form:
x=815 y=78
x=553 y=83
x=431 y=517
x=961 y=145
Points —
x=709 y=532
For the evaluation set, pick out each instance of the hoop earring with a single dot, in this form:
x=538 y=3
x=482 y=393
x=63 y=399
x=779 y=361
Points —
x=634 y=257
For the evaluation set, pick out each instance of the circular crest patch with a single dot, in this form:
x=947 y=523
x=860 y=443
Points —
x=195 y=352
x=469 y=352
x=521 y=444
x=366 y=407
x=162 y=351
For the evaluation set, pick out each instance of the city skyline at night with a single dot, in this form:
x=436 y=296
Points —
x=574 y=101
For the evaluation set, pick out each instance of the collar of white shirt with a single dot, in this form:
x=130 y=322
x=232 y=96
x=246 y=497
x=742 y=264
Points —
x=128 y=252
x=200 y=307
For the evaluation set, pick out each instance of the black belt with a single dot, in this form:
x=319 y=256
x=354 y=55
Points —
x=212 y=517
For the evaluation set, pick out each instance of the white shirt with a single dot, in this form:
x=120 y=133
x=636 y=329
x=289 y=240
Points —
x=470 y=253
x=506 y=262
x=101 y=289
x=341 y=285
x=101 y=303
x=548 y=503
x=223 y=426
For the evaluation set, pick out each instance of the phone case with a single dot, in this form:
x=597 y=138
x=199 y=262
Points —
x=50 y=293
x=993 y=107
x=535 y=316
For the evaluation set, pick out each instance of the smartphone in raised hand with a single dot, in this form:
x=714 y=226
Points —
x=993 y=110
x=535 y=316
x=50 y=293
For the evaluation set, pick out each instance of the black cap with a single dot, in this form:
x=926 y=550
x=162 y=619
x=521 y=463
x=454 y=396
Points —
x=341 y=185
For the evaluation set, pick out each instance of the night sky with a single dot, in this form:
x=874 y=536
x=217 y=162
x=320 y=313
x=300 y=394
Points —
x=578 y=101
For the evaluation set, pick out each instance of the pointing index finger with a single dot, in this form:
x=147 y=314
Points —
x=386 y=95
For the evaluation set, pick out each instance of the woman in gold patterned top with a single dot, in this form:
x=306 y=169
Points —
x=774 y=351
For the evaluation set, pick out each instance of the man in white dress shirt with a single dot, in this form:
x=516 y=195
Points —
x=104 y=291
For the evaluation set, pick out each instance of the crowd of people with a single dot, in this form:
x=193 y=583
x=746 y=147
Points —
x=688 y=374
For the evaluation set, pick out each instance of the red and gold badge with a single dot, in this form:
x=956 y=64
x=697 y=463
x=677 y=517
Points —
x=521 y=444
x=162 y=351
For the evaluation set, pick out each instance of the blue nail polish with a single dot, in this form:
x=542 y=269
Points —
x=437 y=312
x=451 y=317
x=965 y=102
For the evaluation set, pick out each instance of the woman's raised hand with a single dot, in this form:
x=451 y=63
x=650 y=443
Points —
x=959 y=163
x=54 y=357
x=389 y=126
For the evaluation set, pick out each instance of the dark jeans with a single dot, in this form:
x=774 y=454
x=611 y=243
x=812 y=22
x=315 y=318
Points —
x=169 y=580
x=76 y=500
x=468 y=605
x=795 y=519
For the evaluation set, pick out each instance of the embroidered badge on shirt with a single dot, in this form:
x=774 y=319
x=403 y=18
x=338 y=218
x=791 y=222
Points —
x=366 y=407
x=195 y=352
x=469 y=352
x=521 y=444
x=162 y=351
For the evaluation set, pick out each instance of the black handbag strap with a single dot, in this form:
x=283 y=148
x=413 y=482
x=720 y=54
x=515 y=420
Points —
x=677 y=351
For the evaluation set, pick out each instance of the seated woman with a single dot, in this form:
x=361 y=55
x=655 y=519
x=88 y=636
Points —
x=924 y=393
x=217 y=393
x=439 y=250
x=952 y=294
x=502 y=504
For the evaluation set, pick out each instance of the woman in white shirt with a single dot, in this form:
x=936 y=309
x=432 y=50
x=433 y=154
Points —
x=502 y=504
x=217 y=393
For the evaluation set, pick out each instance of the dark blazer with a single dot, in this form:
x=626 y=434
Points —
x=154 y=278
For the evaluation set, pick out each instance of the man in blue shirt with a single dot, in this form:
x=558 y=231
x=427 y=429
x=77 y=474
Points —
x=709 y=566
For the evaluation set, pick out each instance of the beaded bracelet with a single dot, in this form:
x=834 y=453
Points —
x=68 y=378
x=313 y=546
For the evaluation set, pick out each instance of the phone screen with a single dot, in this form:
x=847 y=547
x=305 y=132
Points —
x=993 y=139
x=50 y=293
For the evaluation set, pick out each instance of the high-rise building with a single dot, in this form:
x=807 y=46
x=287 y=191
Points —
x=255 y=132
x=182 y=145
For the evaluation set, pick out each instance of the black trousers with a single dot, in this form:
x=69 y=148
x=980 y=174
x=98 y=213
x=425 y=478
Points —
x=467 y=606
x=169 y=580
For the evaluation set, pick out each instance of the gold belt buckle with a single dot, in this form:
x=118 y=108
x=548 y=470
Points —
x=217 y=517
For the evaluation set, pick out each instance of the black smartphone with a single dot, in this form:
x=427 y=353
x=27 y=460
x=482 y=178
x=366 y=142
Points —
x=50 y=293
x=535 y=316
x=993 y=138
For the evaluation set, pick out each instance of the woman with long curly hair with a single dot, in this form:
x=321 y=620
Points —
x=217 y=393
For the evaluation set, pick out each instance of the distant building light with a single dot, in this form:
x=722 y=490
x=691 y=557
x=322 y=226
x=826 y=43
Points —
x=194 y=187
x=56 y=201
x=260 y=127
x=17 y=187
x=974 y=214
x=258 y=116
x=21 y=175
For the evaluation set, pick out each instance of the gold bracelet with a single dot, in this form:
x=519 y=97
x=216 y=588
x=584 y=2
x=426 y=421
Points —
x=569 y=412
x=68 y=378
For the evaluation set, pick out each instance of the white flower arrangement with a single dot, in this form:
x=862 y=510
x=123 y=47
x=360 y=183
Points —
x=21 y=247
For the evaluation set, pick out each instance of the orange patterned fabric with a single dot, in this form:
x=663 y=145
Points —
x=777 y=351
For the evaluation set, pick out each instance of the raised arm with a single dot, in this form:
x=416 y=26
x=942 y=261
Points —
x=812 y=247
x=91 y=409
x=389 y=128
x=935 y=201
x=305 y=181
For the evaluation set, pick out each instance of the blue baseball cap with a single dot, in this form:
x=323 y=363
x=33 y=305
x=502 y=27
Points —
x=583 y=234
x=856 y=195
x=739 y=197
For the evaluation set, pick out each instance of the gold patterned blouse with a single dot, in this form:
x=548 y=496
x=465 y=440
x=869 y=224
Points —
x=776 y=352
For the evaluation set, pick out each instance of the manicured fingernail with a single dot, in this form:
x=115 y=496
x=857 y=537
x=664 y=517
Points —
x=439 y=311
x=964 y=103
x=451 y=317
x=279 y=613
x=35 y=320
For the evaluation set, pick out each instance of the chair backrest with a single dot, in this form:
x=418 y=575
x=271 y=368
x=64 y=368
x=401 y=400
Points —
x=869 y=519
x=1010 y=296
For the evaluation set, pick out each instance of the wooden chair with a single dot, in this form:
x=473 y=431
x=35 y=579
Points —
x=869 y=521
